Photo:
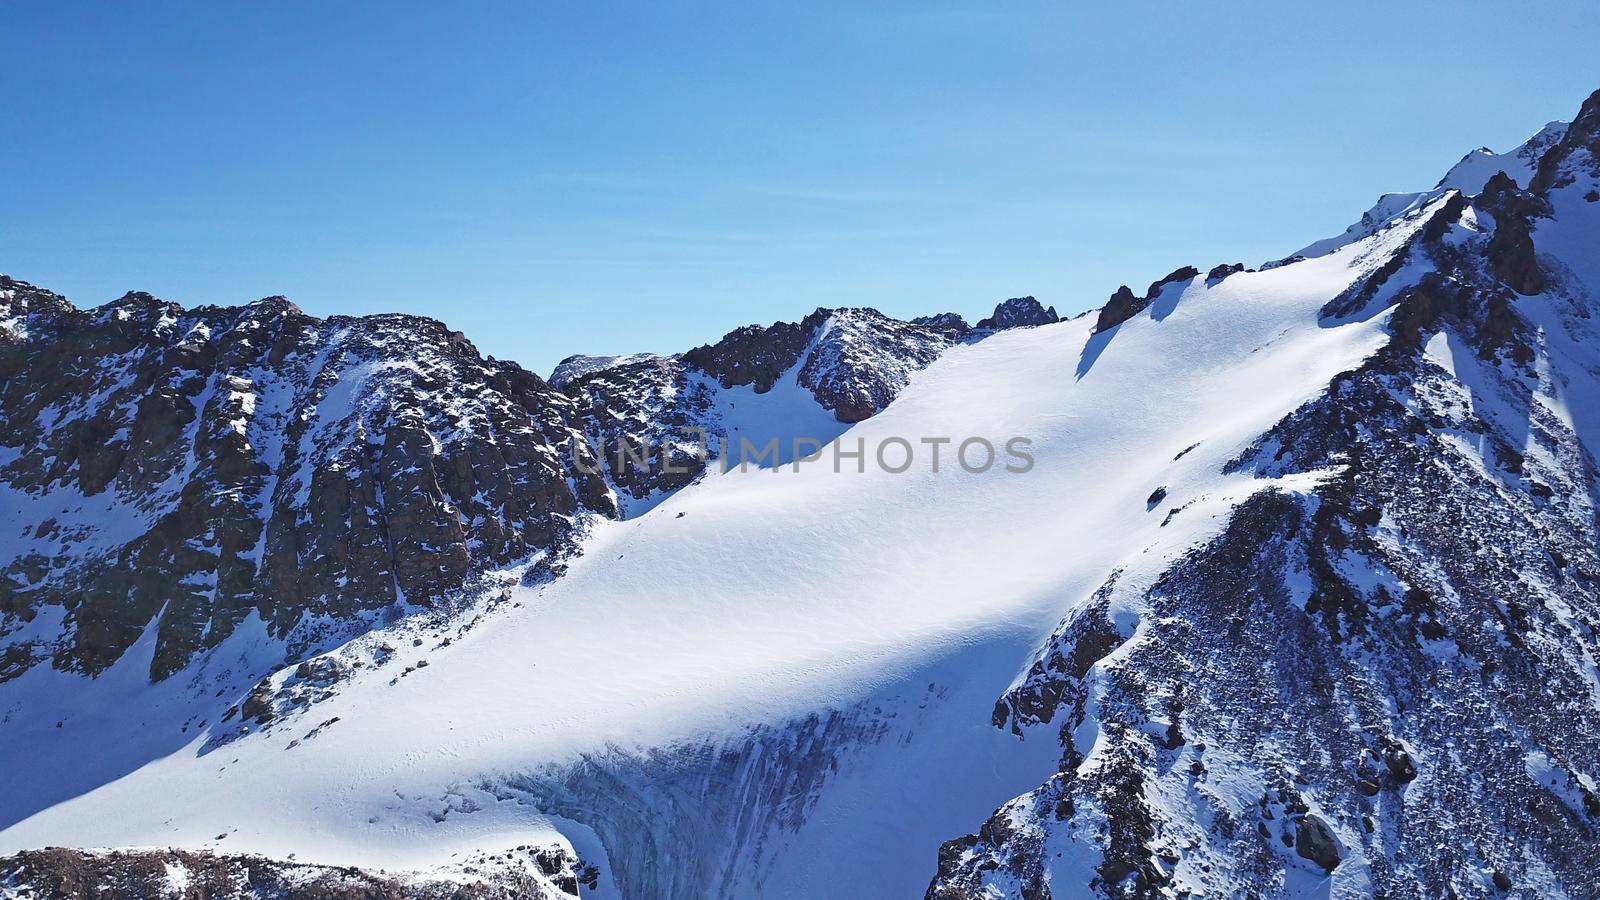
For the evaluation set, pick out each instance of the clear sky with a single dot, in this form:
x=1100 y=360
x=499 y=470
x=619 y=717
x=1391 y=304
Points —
x=561 y=177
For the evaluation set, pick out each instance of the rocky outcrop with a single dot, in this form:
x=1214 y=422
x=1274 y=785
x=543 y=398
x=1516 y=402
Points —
x=1575 y=155
x=854 y=361
x=1019 y=312
x=1183 y=273
x=1122 y=306
x=862 y=359
x=1314 y=840
x=1442 y=217
x=949 y=324
x=1510 y=251
x=649 y=423
x=578 y=365
x=756 y=355
x=526 y=873
x=1219 y=272
x=22 y=304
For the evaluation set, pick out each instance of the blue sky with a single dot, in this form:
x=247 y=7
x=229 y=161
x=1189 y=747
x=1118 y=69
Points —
x=601 y=177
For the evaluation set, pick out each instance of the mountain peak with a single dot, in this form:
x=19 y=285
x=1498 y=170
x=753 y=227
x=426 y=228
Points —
x=1476 y=168
x=1019 y=312
x=21 y=302
x=275 y=305
x=1469 y=176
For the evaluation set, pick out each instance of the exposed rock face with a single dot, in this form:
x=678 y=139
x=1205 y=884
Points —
x=1223 y=270
x=1442 y=216
x=1314 y=840
x=22 y=304
x=854 y=361
x=756 y=355
x=1122 y=306
x=1575 y=156
x=649 y=422
x=526 y=874
x=1019 y=312
x=949 y=324
x=206 y=465
x=861 y=359
x=1388 y=678
x=1510 y=251
x=1183 y=273
x=574 y=367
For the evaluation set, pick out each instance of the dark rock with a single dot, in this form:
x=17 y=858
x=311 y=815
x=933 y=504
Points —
x=1184 y=273
x=1314 y=840
x=1122 y=306
x=863 y=359
x=257 y=706
x=101 y=875
x=1019 y=312
x=1510 y=251
x=855 y=360
x=1401 y=768
x=24 y=307
x=1555 y=167
x=949 y=324
x=756 y=355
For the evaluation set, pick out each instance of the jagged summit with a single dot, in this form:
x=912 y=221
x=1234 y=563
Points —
x=1476 y=168
x=1469 y=176
x=578 y=365
x=947 y=323
x=1019 y=312
x=758 y=354
x=22 y=303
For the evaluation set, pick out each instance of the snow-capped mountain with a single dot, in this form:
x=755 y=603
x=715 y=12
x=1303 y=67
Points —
x=1469 y=176
x=1297 y=594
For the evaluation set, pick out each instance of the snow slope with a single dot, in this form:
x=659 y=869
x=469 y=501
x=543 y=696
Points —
x=773 y=675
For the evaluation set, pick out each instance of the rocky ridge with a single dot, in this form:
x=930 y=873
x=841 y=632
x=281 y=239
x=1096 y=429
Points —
x=526 y=873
